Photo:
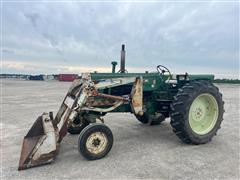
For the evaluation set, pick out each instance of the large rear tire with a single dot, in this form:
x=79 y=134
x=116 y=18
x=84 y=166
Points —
x=197 y=112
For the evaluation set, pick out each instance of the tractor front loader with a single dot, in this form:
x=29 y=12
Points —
x=41 y=144
x=192 y=102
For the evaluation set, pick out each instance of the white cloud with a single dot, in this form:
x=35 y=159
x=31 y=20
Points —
x=82 y=36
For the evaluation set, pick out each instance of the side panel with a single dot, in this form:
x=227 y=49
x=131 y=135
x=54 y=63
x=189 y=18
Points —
x=151 y=81
x=158 y=92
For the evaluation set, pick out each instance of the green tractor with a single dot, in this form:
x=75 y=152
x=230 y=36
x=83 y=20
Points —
x=192 y=102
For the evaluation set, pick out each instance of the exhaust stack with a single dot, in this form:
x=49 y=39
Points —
x=122 y=66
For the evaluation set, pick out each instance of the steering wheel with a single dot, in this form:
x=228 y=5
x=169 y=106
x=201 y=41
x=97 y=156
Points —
x=163 y=70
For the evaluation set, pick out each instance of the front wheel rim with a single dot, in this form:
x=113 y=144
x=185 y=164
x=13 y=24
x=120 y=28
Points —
x=203 y=114
x=96 y=143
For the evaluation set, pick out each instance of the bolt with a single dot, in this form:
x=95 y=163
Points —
x=96 y=142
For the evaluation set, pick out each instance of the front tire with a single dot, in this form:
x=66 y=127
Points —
x=197 y=112
x=95 y=141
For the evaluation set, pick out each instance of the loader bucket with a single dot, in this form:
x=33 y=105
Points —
x=40 y=144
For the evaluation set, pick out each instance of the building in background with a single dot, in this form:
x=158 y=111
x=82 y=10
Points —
x=36 y=77
x=48 y=77
x=67 y=77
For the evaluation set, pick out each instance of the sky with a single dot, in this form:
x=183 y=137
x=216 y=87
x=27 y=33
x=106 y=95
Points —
x=75 y=37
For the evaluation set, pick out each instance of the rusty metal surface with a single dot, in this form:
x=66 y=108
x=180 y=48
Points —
x=119 y=98
x=67 y=105
x=99 y=101
x=137 y=96
x=73 y=91
x=27 y=147
x=40 y=144
x=114 y=106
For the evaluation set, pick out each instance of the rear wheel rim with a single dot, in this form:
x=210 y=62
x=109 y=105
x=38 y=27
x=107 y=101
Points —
x=203 y=114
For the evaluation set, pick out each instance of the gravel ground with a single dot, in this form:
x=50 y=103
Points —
x=139 y=151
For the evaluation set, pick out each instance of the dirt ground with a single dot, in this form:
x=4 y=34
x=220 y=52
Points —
x=139 y=151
